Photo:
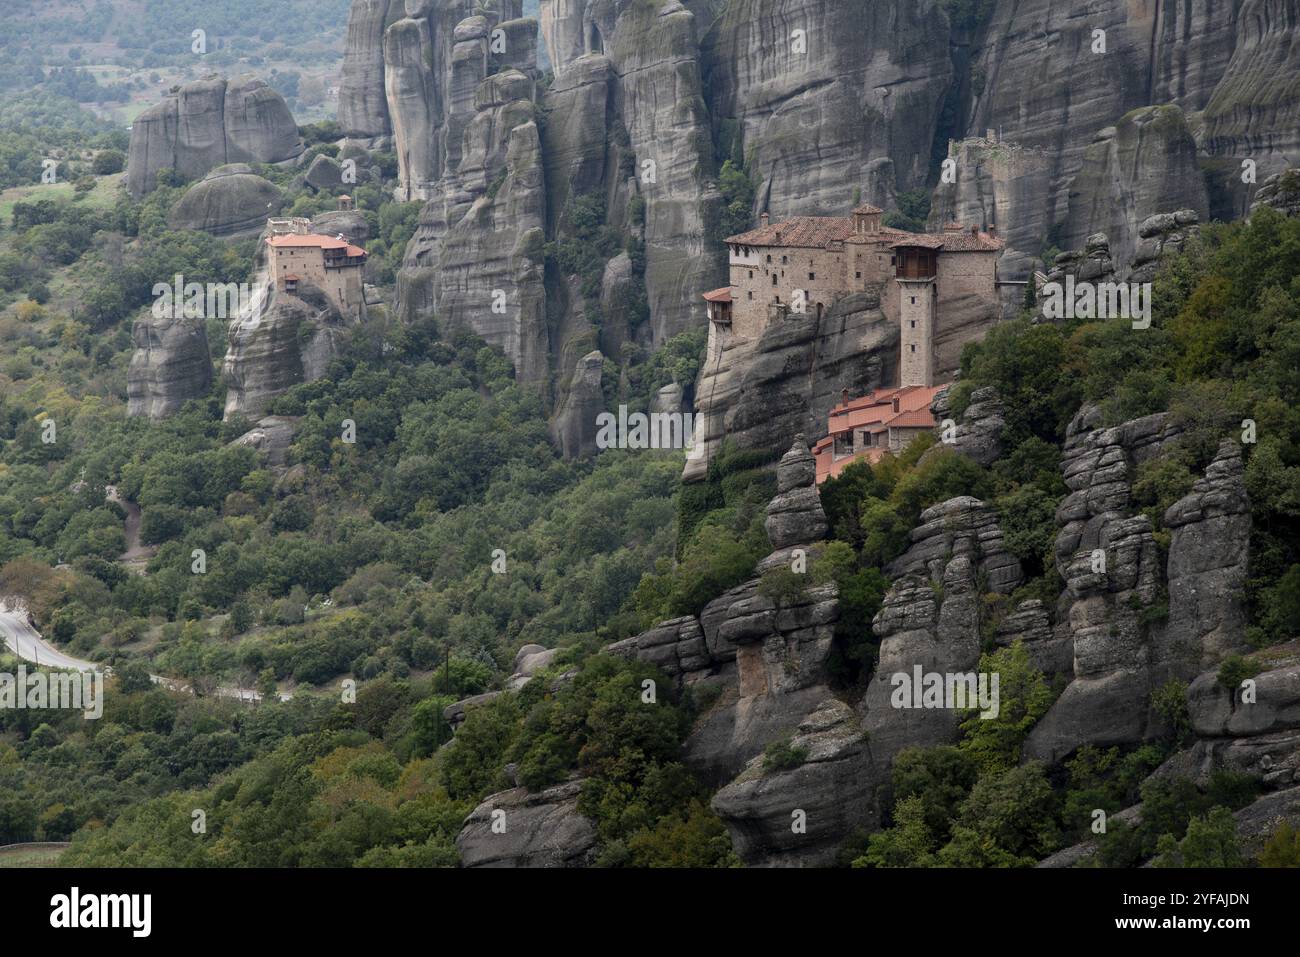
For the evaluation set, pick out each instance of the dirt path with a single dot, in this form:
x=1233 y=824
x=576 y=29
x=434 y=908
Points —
x=136 y=554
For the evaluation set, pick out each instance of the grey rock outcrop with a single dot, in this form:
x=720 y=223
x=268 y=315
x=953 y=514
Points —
x=1111 y=567
x=1280 y=192
x=758 y=392
x=171 y=365
x=324 y=173
x=574 y=428
x=978 y=435
x=292 y=341
x=542 y=829
x=1163 y=234
x=1145 y=163
x=210 y=123
x=271 y=437
x=930 y=618
x=760 y=806
x=1208 y=557
x=231 y=200
x=795 y=515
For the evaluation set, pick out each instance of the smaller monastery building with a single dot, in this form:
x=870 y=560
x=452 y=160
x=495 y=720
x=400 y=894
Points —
x=884 y=421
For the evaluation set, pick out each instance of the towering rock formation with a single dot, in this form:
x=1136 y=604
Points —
x=1116 y=588
x=171 y=365
x=813 y=94
x=363 y=106
x=209 y=123
x=1000 y=185
x=292 y=341
x=931 y=618
x=574 y=428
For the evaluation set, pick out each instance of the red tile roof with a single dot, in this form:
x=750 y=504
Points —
x=916 y=419
x=926 y=240
x=866 y=209
x=719 y=295
x=967 y=242
x=314 y=240
x=807 y=232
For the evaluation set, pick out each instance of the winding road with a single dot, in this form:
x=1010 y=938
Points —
x=26 y=642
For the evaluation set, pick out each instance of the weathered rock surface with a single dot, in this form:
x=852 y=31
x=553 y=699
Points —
x=574 y=429
x=210 y=123
x=271 y=437
x=930 y=618
x=171 y=365
x=814 y=111
x=978 y=435
x=759 y=392
x=292 y=341
x=796 y=514
x=1144 y=164
x=231 y=200
x=1280 y=192
x=476 y=258
x=1110 y=564
x=363 y=107
x=541 y=830
x=760 y=806
x=1000 y=185
x=1163 y=234
x=1208 y=556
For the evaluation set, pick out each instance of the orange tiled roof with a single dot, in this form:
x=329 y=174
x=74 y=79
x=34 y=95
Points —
x=866 y=209
x=315 y=240
x=927 y=240
x=968 y=242
x=915 y=419
x=807 y=232
x=719 y=295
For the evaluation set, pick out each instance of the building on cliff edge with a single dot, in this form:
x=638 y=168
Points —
x=939 y=287
x=294 y=254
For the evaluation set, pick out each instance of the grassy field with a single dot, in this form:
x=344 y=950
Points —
x=31 y=855
x=104 y=195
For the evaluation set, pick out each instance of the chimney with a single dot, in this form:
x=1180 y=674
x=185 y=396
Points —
x=844 y=396
x=993 y=229
x=974 y=230
x=762 y=218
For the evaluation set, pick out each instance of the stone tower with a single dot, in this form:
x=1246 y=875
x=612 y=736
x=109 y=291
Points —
x=916 y=311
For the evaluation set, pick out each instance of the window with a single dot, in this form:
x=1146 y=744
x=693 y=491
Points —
x=812 y=275
x=913 y=323
x=751 y=294
x=914 y=300
x=858 y=274
x=784 y=260
x=769 y=257
x=751 y=274
x=893 y=260
x=913 y=348
x=774 y=282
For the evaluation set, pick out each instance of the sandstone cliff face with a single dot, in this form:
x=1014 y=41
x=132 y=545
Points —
x=363 y=107
x=292 y=341
x=1145 y=164
x=759 y=392
x=171 y=365
x=816 y=108
x=209 y=123
x=230 y=201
